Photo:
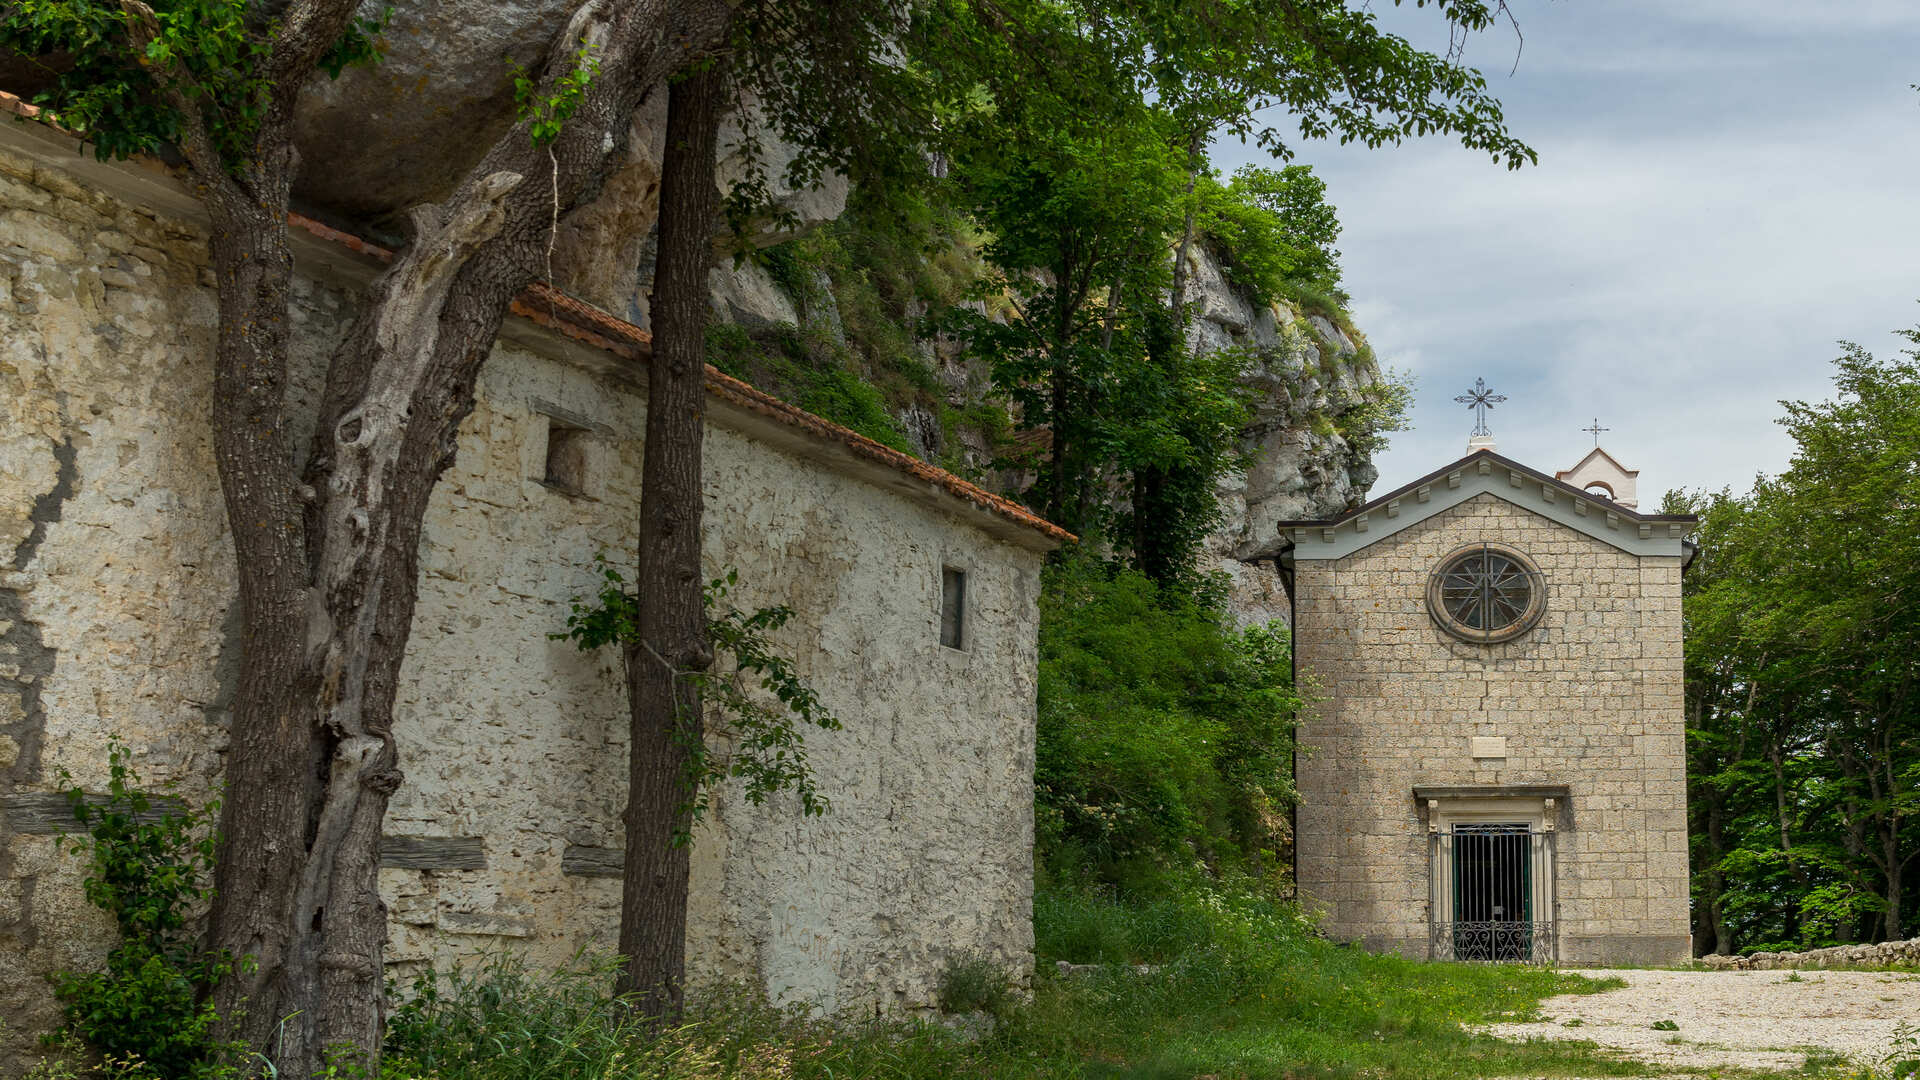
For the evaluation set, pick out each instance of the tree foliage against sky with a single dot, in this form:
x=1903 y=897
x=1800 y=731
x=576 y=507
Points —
x=1078 y=136
x=1803 y=677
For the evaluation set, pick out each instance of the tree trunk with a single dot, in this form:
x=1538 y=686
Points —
x=1715 y=909
x=1775 y=755
x=665 y=707
x=1892 y=819
x=1179 y=298
x=328 y=569
x=1890 y=849
x=1062 y=402
x=272 y=767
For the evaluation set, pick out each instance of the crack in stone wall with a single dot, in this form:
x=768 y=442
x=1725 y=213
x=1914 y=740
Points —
x=26 y=661
x=46 y=508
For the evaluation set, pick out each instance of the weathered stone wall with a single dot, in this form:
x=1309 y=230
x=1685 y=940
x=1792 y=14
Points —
x=116 y=584
x=1590 y=698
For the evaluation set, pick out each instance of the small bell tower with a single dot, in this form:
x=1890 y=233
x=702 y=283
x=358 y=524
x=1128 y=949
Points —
x=1602 y=474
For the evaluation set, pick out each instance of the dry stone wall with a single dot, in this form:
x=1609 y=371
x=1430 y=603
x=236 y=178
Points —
x=116 y=594
x=1885 y=954
x=1590 y=698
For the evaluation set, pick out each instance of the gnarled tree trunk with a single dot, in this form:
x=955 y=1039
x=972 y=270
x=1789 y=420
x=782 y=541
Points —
x=328 y=560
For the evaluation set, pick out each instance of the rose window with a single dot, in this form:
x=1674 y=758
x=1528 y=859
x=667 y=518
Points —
x=1486 y=593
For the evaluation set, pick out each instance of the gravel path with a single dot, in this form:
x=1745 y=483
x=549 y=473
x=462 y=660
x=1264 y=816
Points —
x=1751 y=1019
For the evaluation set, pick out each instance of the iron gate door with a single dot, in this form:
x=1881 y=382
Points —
x=1492 y=894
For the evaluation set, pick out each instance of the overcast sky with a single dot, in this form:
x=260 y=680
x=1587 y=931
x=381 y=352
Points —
x=1725 y=188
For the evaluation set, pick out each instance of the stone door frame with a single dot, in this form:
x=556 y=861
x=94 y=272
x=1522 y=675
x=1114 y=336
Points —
x=1537 y=808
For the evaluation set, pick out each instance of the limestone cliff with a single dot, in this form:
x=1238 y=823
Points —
x=1320 y=400
x=1318 y=407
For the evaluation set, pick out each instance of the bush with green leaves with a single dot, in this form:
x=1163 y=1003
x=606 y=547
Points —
x=150 y=866
x=759 y=704
x=124 y=97
x=1165 y=739
x=975 y=984
x=496 y=1020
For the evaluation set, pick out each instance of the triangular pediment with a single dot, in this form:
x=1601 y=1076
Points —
x=1598 y=461
x=1602 y=472
x=1487 y=473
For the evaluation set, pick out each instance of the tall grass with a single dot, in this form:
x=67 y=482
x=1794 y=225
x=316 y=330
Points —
x=1240 y=988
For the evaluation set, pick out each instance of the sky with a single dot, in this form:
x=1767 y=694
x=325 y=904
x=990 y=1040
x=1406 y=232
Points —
x=1726 y=188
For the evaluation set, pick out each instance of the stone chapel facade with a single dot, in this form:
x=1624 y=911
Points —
x=915 y=592
x=1496 y=766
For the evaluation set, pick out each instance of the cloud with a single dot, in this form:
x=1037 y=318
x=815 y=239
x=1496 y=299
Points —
x=1718 y=200
x=1798 y=17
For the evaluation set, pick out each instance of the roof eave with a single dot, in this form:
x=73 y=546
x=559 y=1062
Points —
x=1444 y=471
x=539 y=313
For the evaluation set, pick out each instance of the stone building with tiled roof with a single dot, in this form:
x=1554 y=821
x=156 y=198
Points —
x=916 y=621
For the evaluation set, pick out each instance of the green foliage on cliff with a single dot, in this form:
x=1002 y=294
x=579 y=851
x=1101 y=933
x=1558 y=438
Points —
x=860 y=353
x=1274 y=231
x=1803 y=677
x=1153 y=422
x=1165 y=739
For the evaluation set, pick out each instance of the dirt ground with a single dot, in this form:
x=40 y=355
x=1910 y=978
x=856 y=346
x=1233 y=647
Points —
x=1769 y=1020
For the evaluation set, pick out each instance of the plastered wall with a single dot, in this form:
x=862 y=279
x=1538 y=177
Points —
x=1590 y=698
x=115 y=596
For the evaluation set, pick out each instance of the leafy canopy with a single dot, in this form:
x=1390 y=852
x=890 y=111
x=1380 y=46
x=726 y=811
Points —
x=120 y=74
x=1803 y=673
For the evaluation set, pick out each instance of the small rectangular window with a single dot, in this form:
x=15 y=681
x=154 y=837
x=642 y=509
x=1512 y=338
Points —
x=566 y=458
x=953 y=608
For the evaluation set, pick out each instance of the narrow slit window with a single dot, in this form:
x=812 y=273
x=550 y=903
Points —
x=566 y=458
x=953 y=608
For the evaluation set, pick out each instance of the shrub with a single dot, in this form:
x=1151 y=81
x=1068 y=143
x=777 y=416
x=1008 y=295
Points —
x=1165 y=739
x=498 y=1021
x=975 y=984
x=150 y=861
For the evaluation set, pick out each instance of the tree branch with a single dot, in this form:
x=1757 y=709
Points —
x=143 y=29
x=308 y=28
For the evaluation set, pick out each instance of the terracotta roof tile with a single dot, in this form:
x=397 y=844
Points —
x=18 y=106
x=549 y=307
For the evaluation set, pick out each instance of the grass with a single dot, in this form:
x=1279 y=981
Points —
x=1240 y=989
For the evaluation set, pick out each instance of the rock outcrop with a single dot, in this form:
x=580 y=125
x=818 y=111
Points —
x=1309 y=378
x=404 y=131
x=381 y=138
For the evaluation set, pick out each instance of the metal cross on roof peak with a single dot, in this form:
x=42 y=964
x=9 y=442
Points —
x=1595 y=430
x=1480 y=399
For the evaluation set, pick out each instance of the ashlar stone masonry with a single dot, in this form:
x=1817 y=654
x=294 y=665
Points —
x=117 y=589
x=1515 y=800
